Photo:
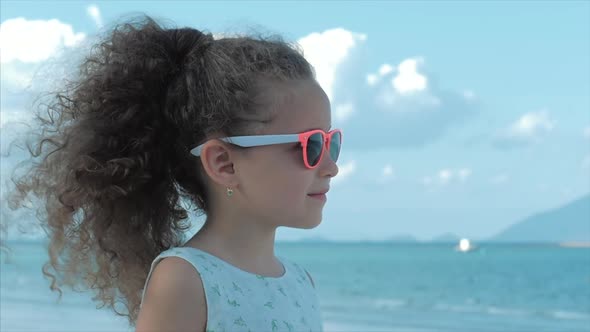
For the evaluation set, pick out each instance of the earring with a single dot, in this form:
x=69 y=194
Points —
x=230 y=192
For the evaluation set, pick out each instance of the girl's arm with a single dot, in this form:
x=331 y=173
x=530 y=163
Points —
x=174 y=299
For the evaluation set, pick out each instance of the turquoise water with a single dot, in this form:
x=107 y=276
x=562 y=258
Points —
x=366 y=287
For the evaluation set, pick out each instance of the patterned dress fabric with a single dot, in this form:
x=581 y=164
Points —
x=242 y=301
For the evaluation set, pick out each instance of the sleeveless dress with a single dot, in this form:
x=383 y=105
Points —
x=242 y=301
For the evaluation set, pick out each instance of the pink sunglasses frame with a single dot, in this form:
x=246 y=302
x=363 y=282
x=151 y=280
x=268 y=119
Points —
x=260 y=140
x=327 y=136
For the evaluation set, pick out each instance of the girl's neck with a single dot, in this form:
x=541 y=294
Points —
x=243 y=244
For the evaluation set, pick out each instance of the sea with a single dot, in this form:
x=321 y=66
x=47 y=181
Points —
x=365 y=287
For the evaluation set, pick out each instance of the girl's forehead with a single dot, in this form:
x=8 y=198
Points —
x=306 y=106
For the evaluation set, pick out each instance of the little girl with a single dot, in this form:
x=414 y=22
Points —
x=239 y=127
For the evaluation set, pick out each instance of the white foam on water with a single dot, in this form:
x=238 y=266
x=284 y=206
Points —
x=389 y=303
x=330 y=326
x=368 y=303
x=561 y=314
x=507 y=311
x=456 y=308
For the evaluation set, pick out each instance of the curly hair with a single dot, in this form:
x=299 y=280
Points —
x=115 y=147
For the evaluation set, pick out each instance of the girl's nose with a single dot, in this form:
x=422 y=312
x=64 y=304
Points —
x=328 y=166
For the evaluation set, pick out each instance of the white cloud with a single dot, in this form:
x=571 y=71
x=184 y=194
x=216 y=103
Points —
x=14 y=125
x=8 y=117
x=386 y=175
x=463 y=174
x=499 y=179
x=24 y=46
x=447 y=176
x=531 y=124
x=385 y=69
x=345 y=171
x=529 y=128
x=343 y=111
x=372 y=79
x=387 y=171
x=444 y=176
x=327 y=50
x=401 y=103
x=586 y=132
x=16 y=76
x=408 y=80
x=468 y=94
x=32 y=41
x=11 y=145
x=94 y=13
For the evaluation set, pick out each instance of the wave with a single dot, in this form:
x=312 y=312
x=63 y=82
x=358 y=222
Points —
x=388 y=303
x=365 y=303
x=561 y=314
x=507 y=311
x=456 y=308
x=515 y=312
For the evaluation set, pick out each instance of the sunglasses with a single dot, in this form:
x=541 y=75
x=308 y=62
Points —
x=314 y=143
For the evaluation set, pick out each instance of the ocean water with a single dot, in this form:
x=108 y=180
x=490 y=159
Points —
x=364 y=287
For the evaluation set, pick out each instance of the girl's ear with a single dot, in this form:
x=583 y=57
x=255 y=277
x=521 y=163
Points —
x=216 y=158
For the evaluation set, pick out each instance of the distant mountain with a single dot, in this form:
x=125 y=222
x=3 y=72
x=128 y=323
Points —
x=446 y=238
x=402 y=238
x=570 y=223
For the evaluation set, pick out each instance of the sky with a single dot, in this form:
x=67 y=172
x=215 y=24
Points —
x=457 y=117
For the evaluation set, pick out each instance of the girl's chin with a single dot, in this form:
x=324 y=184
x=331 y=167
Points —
x=309 y=223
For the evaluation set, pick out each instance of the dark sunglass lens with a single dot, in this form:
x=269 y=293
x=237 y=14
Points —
x=335 y=146
x=314 y=148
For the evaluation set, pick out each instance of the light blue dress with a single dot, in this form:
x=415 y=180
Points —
x=242 y=301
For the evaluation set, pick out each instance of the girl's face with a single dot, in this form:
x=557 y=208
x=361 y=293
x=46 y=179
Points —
x=276 y=185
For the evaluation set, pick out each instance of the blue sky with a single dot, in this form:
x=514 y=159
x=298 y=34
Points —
x=458 y=117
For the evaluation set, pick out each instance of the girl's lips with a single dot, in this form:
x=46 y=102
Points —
x=321 y=192
x=321 y=197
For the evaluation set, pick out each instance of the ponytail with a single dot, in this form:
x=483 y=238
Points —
x=115 y=148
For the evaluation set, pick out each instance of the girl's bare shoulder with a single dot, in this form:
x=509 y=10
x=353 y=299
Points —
x=174 y=299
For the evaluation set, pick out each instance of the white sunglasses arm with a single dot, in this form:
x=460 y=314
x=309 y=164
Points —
x=249 y=141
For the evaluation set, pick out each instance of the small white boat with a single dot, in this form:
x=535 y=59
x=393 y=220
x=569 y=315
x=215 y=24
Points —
x=465 y=246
